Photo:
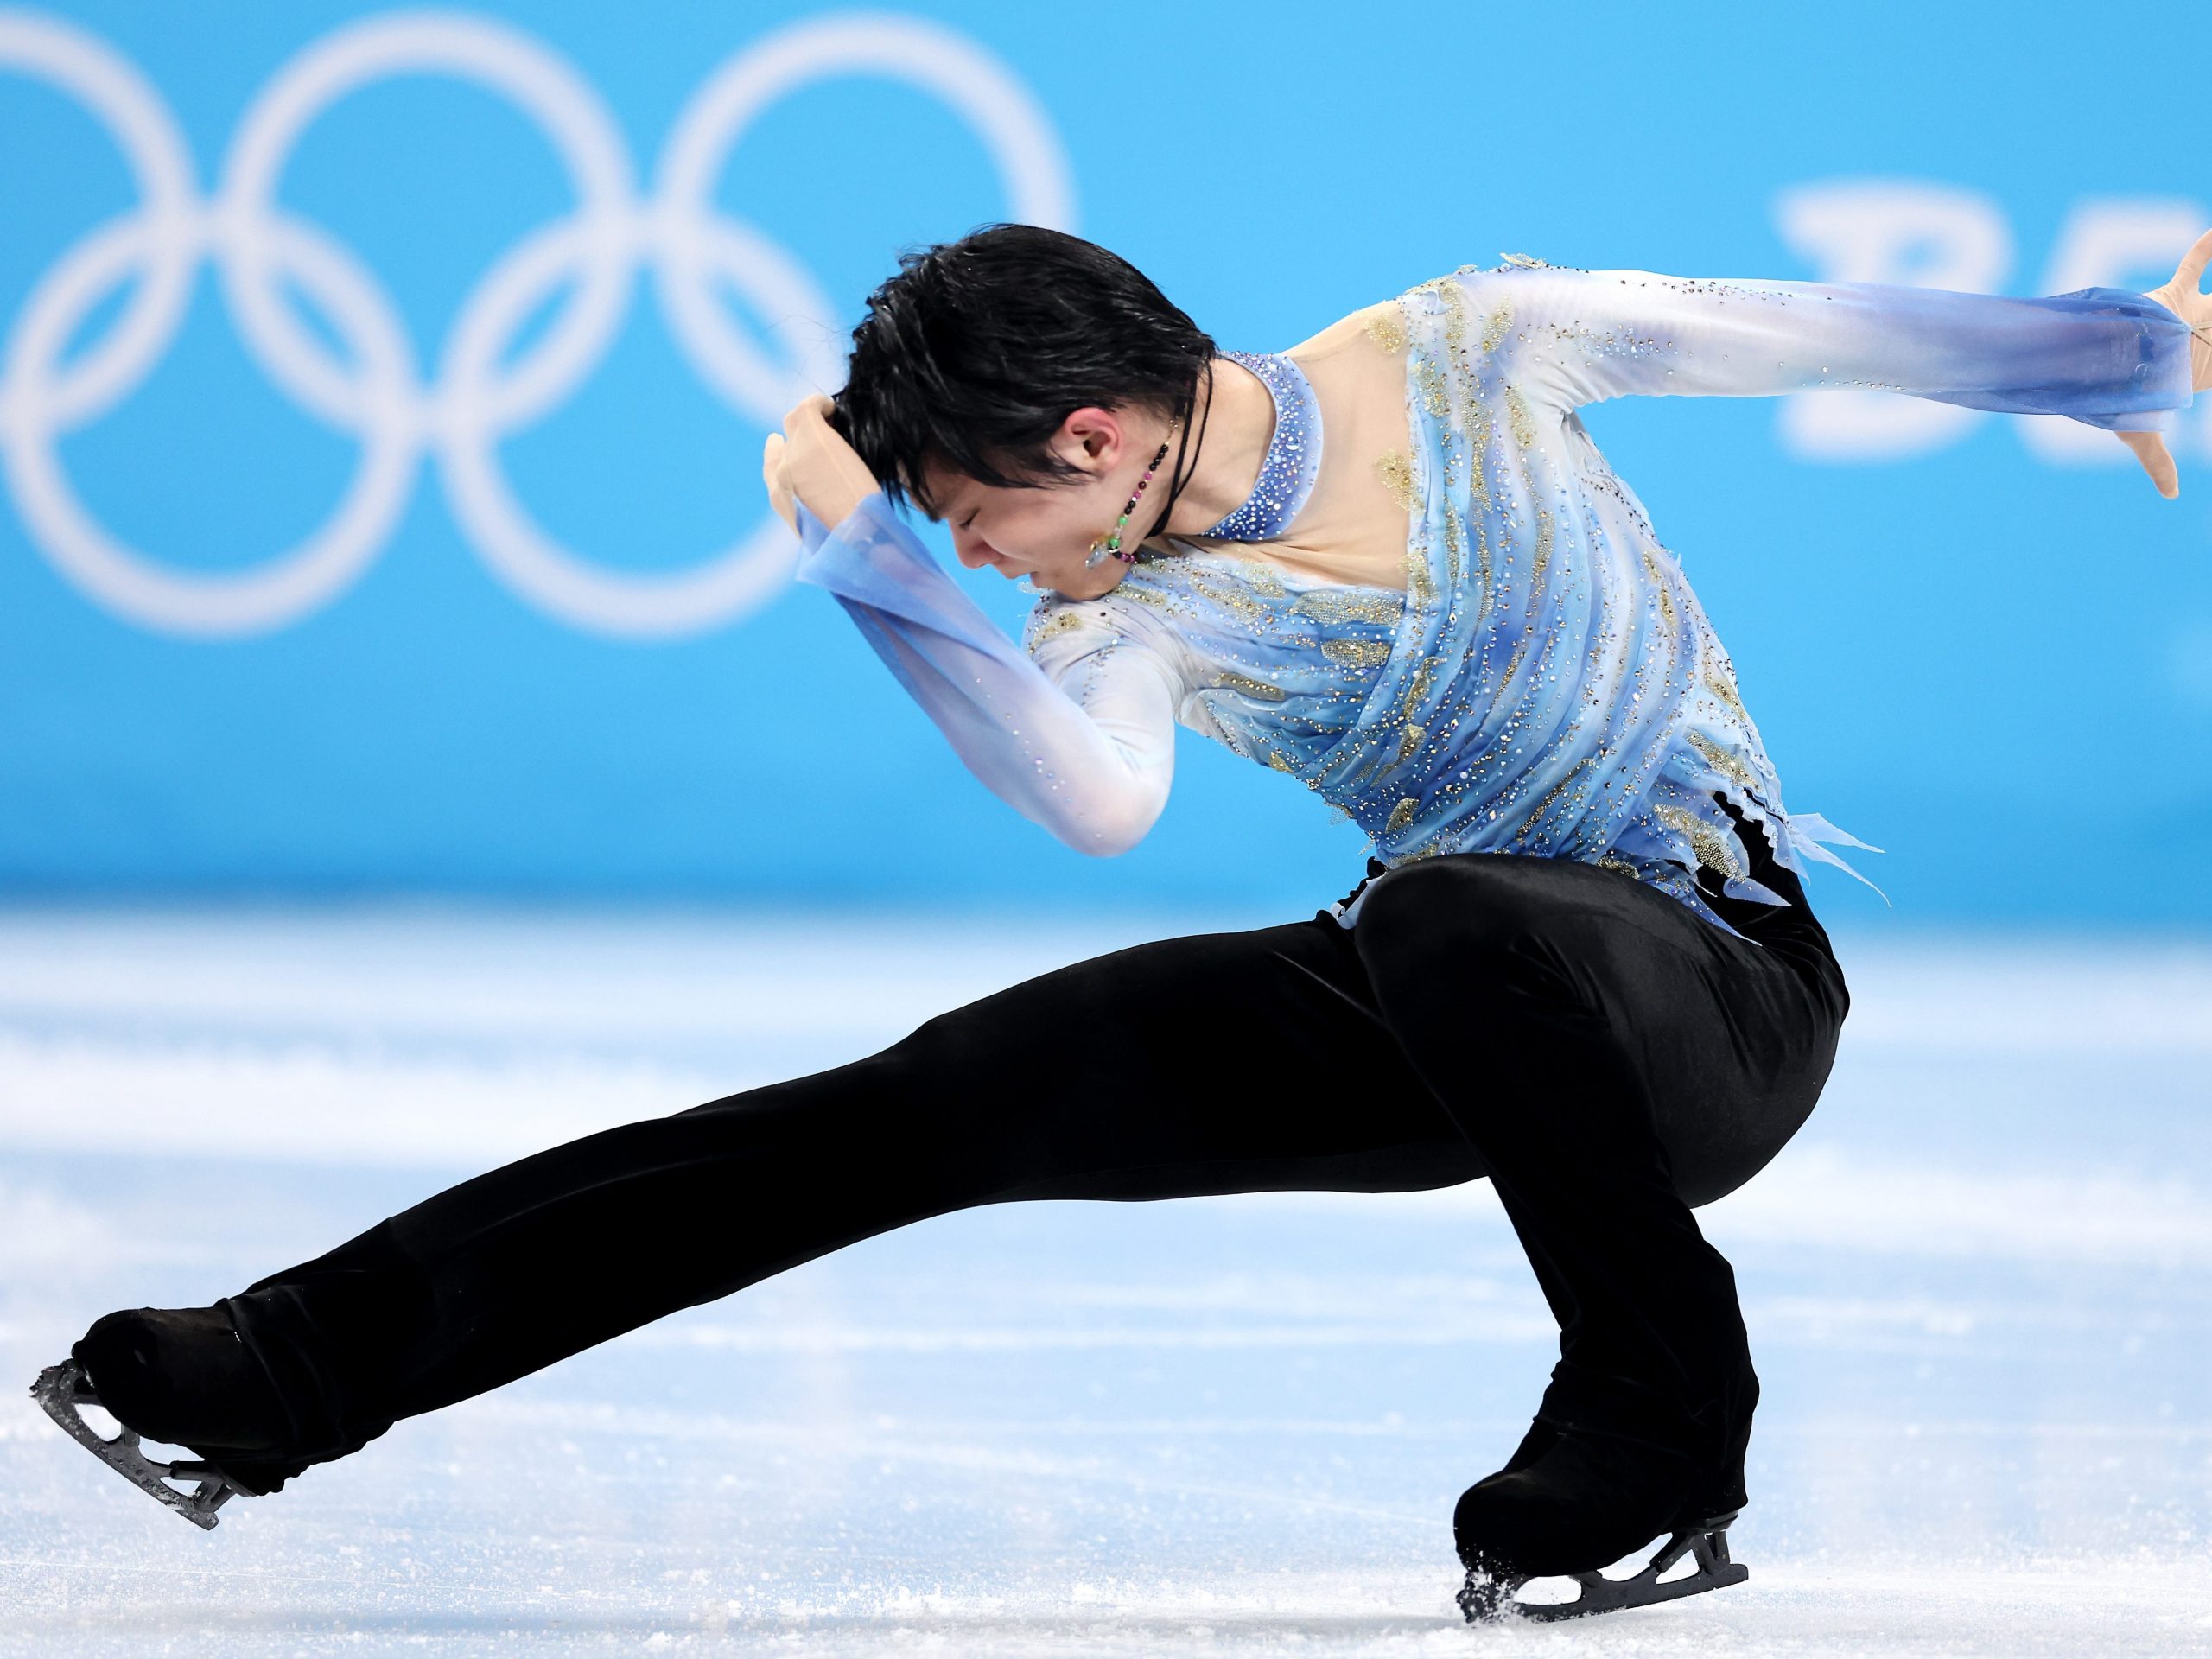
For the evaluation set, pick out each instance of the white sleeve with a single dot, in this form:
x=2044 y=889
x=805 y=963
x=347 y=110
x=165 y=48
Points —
x=2105 y=356
x=1081 y=740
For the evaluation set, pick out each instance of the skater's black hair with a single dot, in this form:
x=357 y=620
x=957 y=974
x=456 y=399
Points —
x=973 y=354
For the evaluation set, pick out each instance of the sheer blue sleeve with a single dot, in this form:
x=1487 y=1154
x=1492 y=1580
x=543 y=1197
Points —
x=2105 y=356
x=1088 y=753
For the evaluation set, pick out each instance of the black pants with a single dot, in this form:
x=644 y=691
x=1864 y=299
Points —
x=1609 y=1058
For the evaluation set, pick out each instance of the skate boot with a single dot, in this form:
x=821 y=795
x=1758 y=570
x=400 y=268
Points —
x=180 y=1377
x=1578 y=1494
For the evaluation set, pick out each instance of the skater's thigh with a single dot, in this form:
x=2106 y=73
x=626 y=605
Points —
x=1228 y=1062
x=1732 y=1038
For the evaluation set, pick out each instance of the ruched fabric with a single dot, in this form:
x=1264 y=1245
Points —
x=1545 y=681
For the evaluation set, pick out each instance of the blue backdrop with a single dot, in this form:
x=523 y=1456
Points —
x=381 y=394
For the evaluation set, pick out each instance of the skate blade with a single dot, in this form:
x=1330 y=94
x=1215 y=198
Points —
x=1708 y=1543
x=62 y=1389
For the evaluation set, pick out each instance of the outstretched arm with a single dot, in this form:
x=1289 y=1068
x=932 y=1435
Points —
x=1088 y=752
x=2185 y=297
x=2112 y=358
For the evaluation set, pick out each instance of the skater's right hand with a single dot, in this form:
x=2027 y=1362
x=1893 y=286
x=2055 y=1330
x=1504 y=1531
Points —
x=2184 y=296
x=779 y=485
x=811 y=462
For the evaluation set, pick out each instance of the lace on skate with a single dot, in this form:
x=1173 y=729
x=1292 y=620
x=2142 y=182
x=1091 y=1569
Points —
x=1492 y=1594
x=60 y=1389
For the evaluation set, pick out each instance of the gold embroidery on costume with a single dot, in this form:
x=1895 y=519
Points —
x=1231 y=680
x=1455 y=320
x=1058 y=623
x=1397 y=474
x=1231 y=595
x=1722 y=761
x=1717 y=853
x=1261 y=577
x=1478 y=431
x=1401 y=815
x=1435 y=394
x=1721 y=681
x=1387 y=329
x=1417 y=684
x=1340 y=605
x=1524 y=426
x=1542 y=557
x=1421 y=587
x=1659 y=582
x=1356 y=654
x=1544 y=806
x=1538 y=561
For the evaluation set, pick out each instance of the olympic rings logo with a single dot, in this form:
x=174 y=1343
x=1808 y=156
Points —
x=476 y=398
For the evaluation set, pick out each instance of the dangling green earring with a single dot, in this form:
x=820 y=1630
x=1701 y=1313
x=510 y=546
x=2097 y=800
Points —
x=1112 y=543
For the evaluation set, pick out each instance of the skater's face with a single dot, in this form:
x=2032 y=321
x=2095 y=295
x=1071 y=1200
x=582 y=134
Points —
x=1046 y=530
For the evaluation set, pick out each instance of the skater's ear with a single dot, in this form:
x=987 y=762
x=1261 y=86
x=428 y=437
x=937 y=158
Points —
x=1091 y=439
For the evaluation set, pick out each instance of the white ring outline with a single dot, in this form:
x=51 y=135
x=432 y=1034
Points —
x=111 y=89
x=214 y=605
x=495 y=57
x=382 y=399
x=687 y=239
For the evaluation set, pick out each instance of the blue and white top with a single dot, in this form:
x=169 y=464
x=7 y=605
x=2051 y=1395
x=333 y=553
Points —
x=1545 y=683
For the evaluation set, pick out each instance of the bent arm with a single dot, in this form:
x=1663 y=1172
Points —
x=2105 y=356
x=1090 y=757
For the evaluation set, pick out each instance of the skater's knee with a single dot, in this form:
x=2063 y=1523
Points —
x=953 y=1073
x=939 y=1054
x=939 y=1088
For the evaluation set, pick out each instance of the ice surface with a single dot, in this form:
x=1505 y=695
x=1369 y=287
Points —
x=1979 y=1284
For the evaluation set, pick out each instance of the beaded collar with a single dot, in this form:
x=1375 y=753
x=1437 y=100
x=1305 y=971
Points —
x=1293 y=457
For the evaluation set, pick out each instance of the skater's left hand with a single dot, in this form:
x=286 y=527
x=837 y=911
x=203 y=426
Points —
x=809 y=459
x=2184 y=296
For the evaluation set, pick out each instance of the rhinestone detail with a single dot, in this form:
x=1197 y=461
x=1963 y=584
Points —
x=1293 y=457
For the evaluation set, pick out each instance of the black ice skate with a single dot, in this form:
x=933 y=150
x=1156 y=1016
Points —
x=1491 y=1591
x=1570 y=1501
x=60 y=1389
x=177 y=1377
